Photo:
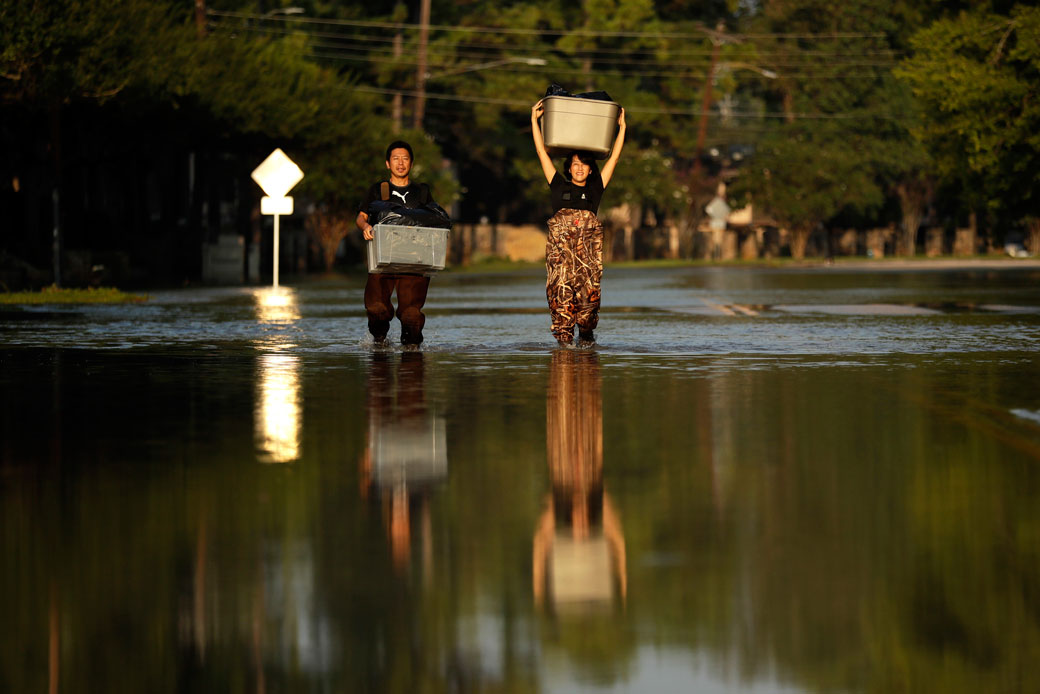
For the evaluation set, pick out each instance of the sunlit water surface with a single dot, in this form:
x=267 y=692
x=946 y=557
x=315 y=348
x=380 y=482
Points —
x=758 y=481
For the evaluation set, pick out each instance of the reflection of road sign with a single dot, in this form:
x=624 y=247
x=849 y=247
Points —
x=277 y=174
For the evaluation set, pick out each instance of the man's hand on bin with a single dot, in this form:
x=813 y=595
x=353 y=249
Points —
x=363 y=225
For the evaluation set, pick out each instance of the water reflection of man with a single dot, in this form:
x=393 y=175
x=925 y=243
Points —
x=406 y=453
x=579 y=550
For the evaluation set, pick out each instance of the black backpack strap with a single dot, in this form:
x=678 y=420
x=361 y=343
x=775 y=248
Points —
x=384 y=190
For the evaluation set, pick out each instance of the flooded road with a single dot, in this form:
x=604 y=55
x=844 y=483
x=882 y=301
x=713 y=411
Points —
x=760 y=480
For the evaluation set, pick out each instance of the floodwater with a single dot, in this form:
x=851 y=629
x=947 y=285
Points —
x=760 y=480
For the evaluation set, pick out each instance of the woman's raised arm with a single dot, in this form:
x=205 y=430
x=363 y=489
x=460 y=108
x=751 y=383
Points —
x=615 y=153
x=539 y=144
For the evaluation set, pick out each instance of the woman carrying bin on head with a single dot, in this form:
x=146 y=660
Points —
x=574 y=250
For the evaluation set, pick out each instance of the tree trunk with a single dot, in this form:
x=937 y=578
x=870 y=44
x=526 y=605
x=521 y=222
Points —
x=911 y=222
x=328 y=230
x=799 y=241
x=913 y=198
x=1034 y=236
x=673 y=241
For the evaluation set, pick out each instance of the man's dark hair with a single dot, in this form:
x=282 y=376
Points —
x=399 y=144
x=584 y=158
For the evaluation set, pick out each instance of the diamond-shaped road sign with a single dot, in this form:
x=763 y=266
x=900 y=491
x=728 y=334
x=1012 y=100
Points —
x=277 y=174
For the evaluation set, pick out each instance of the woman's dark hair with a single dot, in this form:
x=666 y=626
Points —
x=563 y=505
x=399 y=144
x=584 y=158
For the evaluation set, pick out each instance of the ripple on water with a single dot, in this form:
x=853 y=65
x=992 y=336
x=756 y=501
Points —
x=646 y=312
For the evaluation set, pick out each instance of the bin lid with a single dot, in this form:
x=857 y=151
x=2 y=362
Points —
x=588 y=107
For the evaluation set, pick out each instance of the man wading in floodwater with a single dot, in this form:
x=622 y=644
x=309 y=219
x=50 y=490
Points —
x=411 y=288
x=574 y=250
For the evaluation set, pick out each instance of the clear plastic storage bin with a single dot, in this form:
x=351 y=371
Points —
x=419 y=250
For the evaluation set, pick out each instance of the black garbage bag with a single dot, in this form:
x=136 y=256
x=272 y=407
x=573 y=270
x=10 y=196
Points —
x=431 y=215
x=556 y=90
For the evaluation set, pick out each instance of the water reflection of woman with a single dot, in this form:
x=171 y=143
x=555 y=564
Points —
x=406 y=453
x=579 y=550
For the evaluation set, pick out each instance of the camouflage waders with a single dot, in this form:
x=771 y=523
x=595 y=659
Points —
x=574 y=267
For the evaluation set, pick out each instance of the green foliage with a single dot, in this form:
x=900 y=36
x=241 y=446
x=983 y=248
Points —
x=806 y=175
x=64 y=50
x=975 y=79
x=809 y=85
x=248 y=89
x=842 y=144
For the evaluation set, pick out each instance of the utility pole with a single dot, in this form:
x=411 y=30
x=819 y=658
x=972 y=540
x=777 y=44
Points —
x=56 y=245
x=200 y=17
x=420 y=75
x=702 y=126
x=396 y=108
x=56 y=236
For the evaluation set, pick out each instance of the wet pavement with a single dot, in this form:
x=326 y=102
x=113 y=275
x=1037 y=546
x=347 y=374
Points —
x=766 y=480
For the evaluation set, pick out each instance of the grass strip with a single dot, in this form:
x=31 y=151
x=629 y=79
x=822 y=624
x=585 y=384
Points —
x=57 y=295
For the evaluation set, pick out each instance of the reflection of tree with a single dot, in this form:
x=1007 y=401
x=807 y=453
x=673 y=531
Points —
x=870 y=543
x=968 y=616
x=885 y=542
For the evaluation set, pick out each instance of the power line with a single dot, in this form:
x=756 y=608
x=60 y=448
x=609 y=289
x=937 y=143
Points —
x=614 y=61
x=633 y=109
x=540 y=32
x=557 y=70
x=368 y=38
x=721 y=132
x=365 y=55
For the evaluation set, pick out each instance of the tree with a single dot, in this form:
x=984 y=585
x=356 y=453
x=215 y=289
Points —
x=807 y=174
x=136 y=73
x=830 y=151
x=328 y=230
x=975 y=79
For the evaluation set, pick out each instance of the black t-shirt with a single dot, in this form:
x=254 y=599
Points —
x=407 y=196
x=567 y=195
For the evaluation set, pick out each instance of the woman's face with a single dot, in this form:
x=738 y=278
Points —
x=579 y=171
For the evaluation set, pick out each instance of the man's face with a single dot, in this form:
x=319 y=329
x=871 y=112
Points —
x=400 y=162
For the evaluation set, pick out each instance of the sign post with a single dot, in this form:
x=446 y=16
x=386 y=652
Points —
x=276 y=175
